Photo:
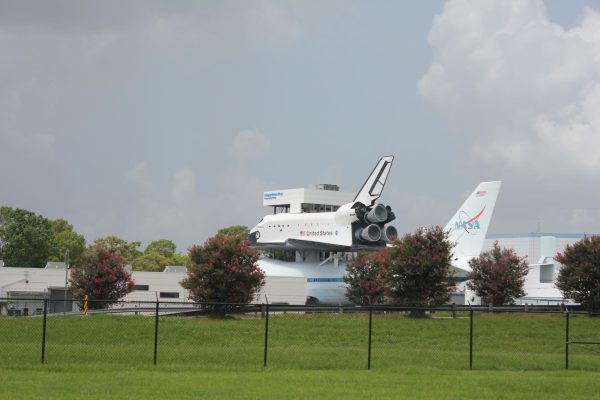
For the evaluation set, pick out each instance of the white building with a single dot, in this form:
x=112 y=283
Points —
x=540 y=249
x=322 y=198
x=37 y=284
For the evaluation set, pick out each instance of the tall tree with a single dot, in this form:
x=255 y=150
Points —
x=100 y=274
x=180 y=259
x=60 y=225
x=419 y=273
x=579 y=277
x=223 y=271
x=239 y=232
x=498 y=276
x=164 y=247
x=67 y=240
x=365 y=277
x=127 y=250
x=155 y=262
x=26 y=239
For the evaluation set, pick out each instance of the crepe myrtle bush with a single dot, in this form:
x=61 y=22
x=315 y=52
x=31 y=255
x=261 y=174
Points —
x=498 y=275
x=579 y=277
x=100 y=274
x=419 y=272
x=365 y=277
x=224 y=270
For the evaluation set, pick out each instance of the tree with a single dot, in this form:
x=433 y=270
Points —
x=180 y=259
x=419 y=272
x=60 y=225
x=26 y=239
x=101 y=275
x=64 y=240
x=579 y=277
x=223 y=271
x=155 y=262
x=164 y=247
x=365 y=277
x=127 y=250
x=239 y=232
x=498 y=276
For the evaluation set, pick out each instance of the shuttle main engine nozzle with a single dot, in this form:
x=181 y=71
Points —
x=371 y=233
x=389 y=233
x=378 y=214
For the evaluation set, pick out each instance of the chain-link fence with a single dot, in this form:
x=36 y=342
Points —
x=60 y=332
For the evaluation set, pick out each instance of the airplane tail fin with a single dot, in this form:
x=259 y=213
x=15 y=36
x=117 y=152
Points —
x=469 y=225
x=373 y=186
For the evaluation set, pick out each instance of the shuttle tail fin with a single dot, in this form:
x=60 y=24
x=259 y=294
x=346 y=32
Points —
x=469 y=225
x=373 y=186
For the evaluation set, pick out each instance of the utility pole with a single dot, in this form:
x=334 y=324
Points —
x=66 y=281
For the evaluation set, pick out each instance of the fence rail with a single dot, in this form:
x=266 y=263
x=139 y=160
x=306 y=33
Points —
x=285 y=335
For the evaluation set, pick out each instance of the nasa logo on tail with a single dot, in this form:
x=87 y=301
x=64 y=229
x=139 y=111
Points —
x=468 y=224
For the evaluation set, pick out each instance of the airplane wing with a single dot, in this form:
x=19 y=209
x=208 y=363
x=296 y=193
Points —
x=298 y=244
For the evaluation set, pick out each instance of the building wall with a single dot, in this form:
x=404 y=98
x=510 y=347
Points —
x=529 y=244
x=296 y=197
x=40 y=283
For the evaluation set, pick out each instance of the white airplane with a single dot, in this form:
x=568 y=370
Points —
x=469 y=225
x=359 y=225
x=467 y=228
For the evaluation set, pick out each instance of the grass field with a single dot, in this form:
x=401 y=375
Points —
x=310 y=356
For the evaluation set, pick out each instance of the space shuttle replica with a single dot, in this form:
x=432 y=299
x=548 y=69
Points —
x=359 y=225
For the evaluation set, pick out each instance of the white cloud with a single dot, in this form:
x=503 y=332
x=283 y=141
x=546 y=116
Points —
x=188 y=213
x=137 y=174
x=184 y=186
x=526 y=89
x=249 y=144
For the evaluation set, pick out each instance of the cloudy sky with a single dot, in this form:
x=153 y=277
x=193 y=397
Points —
x=160 y=119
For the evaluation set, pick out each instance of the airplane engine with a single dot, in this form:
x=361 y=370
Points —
x=389 y=233
x=378 y=214
x=371 y=233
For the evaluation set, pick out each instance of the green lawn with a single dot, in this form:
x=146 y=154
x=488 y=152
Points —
x=310 y=356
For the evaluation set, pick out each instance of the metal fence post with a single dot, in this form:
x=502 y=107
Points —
x=567 y=340
x=370 y=330
x=471 y=339
x=266 y=336
x=156 y=332
x=44 y=331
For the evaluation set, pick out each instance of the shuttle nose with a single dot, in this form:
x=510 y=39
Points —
x=253 y=237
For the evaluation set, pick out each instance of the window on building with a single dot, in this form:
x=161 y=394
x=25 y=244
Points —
x=169 y=295
x=141 y=287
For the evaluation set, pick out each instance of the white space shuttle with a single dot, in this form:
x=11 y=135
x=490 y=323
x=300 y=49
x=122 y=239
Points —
x=358 y=225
